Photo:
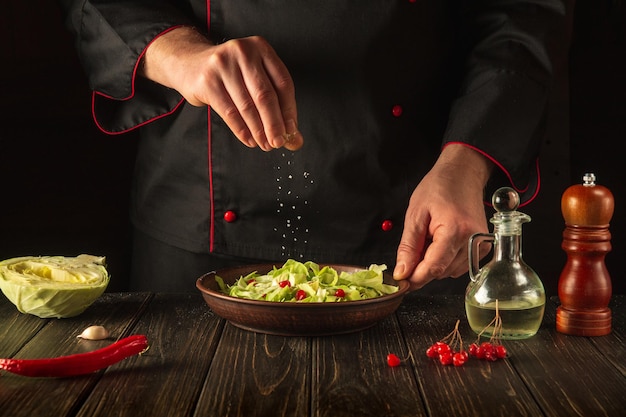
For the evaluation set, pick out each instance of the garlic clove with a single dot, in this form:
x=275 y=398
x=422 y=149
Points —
x=94 y=333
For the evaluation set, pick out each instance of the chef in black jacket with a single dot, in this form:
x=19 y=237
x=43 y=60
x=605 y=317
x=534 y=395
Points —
x=343 y=131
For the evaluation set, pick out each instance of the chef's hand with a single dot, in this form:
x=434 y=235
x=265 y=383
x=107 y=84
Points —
x=243 y=80
x=445 y=209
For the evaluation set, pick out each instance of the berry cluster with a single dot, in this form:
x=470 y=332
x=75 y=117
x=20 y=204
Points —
x=488 y=351
x=493 y=349
x=449 y=350
x=446 y=354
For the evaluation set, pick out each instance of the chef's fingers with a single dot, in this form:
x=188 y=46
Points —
x=263 y=93
x=458 y=266
x=411 y=247
x=421 y=258
x=262 y=109
x=438 y=258
x=249 y=95
x=285 y=93
x=446 y=256
x=218 y=82
x=460 y=263
x=294 y=140
x=222 y=103
x=280 y=117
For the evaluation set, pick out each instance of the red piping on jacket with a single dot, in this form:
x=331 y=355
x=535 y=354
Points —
x=132 y=94
x=209 y=153
x=508 y=175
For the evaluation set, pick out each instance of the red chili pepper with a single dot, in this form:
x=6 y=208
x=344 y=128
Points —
x=80 y=363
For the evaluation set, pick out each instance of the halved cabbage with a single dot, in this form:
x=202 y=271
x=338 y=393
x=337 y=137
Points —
x=53 y=286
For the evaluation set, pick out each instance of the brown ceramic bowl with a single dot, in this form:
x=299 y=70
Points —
x=297 y=319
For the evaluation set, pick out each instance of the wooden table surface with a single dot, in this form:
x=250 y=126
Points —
x=200 y=365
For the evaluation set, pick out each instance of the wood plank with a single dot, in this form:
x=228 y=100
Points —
x=257 y=375
x=190 y=371
x=165 y=380
x=566 y=374
x=612 y=346
x=16 y=328
x=479 y=387
x=351 y=376
x=57 y=338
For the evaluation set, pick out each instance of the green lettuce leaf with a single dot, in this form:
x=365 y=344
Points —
x=316 y=284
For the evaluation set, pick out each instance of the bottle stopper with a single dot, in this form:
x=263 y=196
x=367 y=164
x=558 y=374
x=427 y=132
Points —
x=584 y=286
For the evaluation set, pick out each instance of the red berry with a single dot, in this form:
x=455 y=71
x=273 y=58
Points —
x=300 y=295
x=393 y=360
x=340 y=293
x=501 y=351
x=464 y=354
x=443 y=348
x=432 y=352
x=284 y=283
x=445 y=358
x=480 y=352
x=472 y=349
x=488 y=348
x=458 y=359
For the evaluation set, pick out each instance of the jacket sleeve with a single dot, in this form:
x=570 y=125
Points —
x=111 y=37
x=501 y=107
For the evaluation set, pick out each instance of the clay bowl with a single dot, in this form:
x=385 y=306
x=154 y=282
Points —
x=292 y=318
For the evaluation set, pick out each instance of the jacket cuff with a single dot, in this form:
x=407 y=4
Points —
x=503 y=117
x=145 y=102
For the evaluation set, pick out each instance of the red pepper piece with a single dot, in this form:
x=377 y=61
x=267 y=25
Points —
x=80 y=363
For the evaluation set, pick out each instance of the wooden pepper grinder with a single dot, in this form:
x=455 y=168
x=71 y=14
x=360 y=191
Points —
x=585 y=284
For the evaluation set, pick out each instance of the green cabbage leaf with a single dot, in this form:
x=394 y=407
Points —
x=53 y=286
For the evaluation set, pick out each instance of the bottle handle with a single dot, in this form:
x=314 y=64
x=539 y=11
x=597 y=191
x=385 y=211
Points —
x=474 y=253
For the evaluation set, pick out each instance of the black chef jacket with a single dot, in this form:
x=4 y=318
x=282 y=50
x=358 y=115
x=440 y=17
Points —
x=381 y=86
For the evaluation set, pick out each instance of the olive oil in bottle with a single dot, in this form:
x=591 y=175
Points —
x=519 y=321
x=506 y=280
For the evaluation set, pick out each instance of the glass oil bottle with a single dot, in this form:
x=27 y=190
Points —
x=506 y=281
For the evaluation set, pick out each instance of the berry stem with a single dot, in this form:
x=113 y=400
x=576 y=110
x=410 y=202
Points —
x=454 y=337
x=496 y=335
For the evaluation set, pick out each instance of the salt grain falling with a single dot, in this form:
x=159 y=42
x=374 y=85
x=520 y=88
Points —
x=290 y=231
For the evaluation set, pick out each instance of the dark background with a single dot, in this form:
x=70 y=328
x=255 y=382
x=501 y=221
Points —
x=64 y=184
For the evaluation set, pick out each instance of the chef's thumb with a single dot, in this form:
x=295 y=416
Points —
x=406 y=260
x=293 y=138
